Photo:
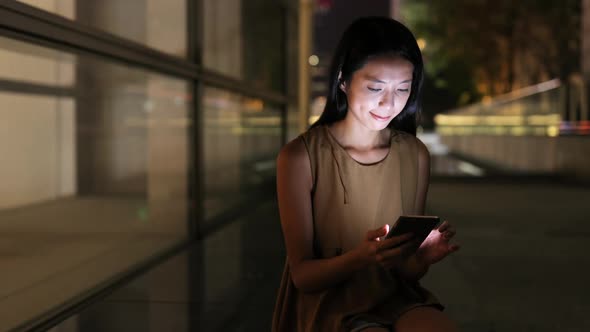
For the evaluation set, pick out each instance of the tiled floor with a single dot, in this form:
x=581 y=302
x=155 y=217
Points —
x=53 y=251
x=523 y=266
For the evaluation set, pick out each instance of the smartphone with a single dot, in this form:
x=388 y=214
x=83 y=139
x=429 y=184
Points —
x=420 y=226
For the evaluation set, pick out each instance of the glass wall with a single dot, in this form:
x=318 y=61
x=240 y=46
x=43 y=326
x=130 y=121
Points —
x=94 y=171
x=102 y=169
x=244 y=39
x=241 y=138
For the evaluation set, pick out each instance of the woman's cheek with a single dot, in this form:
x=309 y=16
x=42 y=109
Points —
x=373 y=103
x=365 y=101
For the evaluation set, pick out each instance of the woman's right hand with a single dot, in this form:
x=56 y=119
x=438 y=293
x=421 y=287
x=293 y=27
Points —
x=389 y=252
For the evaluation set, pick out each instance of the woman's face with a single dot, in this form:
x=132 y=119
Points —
x=379 y=91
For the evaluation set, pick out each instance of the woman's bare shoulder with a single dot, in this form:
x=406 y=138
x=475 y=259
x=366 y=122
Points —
x=422 y=148
x=294 y=167
x=294 y=151
x=405 y=137
x=294 y=157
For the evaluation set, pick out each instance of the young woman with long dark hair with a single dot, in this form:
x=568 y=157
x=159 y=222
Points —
x=342 y=182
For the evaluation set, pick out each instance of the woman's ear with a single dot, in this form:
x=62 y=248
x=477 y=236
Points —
x=341 y=83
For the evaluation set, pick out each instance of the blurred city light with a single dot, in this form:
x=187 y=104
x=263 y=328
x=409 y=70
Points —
x=314 y=60
x=421 y=43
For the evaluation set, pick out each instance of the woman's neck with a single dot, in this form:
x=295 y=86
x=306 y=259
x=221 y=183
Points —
x=358 y=137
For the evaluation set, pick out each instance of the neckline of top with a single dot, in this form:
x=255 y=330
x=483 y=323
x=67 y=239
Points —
x=379 y=162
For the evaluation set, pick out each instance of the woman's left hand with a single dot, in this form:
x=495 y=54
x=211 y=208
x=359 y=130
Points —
x=438 y=244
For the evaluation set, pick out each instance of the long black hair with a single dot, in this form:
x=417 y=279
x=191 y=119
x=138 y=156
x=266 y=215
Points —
x=365 y=39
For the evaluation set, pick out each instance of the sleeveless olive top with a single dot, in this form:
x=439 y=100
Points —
x=348 y=199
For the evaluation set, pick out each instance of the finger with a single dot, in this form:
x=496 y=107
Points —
x=376 y=233
x=443 y=227
x=394 y=241
x=449 y=234
x=400 y=251
x=454 y=247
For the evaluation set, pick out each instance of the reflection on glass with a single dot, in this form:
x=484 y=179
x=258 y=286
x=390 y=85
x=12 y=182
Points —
x=244 y=39
x=222 y=40
x=36 y=65
x=155 y=23
x=242 y=139
x=93 y=180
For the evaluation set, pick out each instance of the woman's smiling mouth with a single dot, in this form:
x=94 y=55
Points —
x=380 y=118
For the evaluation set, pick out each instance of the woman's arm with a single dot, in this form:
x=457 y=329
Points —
x=294 y=185
x=414 y=268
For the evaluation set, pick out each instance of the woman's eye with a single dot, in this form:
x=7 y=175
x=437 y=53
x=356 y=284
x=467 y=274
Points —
x=403 y=90
x=373 y=89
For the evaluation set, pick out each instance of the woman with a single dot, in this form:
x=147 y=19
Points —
x=342 y=182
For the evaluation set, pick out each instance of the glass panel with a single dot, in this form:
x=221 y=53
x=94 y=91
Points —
x=158 y=24
x=94 y=173
x=244 y=39
x=35 y=65
x=242 y=140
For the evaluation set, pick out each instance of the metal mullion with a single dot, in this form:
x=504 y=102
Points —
x=55 y=19
x=35 y=88
x=234 y=85
x=28 y=23
x=196 y=287
x=63 y=32
x=209 y=77
x=194 y=35
x=23 y=22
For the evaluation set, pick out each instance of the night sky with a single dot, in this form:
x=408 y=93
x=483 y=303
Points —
x=329 y=25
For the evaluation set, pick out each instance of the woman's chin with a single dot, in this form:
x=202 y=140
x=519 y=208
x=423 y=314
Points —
x=377 y=126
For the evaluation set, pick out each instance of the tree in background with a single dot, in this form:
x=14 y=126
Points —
x=479 y=48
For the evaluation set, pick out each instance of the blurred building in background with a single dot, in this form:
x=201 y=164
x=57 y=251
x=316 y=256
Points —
x=538 y=123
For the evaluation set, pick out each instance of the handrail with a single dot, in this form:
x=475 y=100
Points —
x=549 y=108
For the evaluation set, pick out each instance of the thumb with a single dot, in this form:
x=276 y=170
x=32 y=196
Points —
x=377 y=233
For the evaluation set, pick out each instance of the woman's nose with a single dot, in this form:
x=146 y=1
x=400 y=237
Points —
x=387 y=101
